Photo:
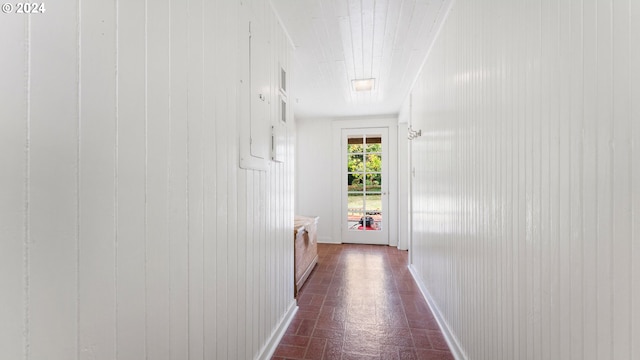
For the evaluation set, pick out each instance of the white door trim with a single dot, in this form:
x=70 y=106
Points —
x=337 y=126
x=381 y=235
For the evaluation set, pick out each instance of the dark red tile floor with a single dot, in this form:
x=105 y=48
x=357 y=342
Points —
x=361 y=302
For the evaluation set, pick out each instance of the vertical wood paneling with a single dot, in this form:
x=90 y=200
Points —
x=52 y=200
x=178 y=181
x=253 y=271
x=210 y=92
x=97 y=307
x=196 y=184
x=158 y=271
x=246 y=316
x=622 y=186
x=576 y=180
x=605 y=113
x=525 y=193
x=13 y=192
x=131 y=182
x=590 y=184
x=128 y=229
x=223 y=144
x=634 y=87
x=564 y=184
x=554 y=175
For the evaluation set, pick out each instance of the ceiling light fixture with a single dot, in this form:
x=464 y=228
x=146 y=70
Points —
x=363 y=84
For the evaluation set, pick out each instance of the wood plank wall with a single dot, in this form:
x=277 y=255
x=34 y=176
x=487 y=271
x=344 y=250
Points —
x=527 y=186
x=127 y=229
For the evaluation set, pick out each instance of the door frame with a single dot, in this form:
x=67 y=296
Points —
x=391 y=123
x=376 y=237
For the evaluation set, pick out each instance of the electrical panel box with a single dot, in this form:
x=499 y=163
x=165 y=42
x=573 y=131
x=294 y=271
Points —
x=255 y=91
x=264 y=52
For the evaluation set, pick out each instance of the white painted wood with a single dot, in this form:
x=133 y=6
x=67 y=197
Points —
x=316 y=176
x=52 y=240
x=403 y=186
x=126 y=223
x=381 y=39
x=347 y=234
x=524 y=222
x=131 y=183
x=97 y=187
x=14 y=37
x=634 y=78
x=211 y=110
x=603 y=166
x=334 y=151
x=270 y=348
x=178 y=162
x=312 y=197
x=196 y=183
x=158 y=48
x=623 y=188
x=256 y=85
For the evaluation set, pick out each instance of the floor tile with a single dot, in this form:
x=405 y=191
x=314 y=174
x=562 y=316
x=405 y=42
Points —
x=295 y=340
x=290 y=352
x=315 y=350
x=437 y=340
x=306 y=327
x=434 y=355
x=361 y=302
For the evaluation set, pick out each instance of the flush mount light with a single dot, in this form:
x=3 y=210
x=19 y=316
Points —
x=363 y=84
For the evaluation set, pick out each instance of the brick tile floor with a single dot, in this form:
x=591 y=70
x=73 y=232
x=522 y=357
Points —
x=361 y=302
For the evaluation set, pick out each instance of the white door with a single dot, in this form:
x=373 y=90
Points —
x=364 y=186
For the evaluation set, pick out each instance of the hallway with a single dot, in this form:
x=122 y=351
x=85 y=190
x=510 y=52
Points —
x=361 y=302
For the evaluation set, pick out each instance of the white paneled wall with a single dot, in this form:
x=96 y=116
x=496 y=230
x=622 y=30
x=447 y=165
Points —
x=526 y=197
x=314 y=175
x=318 y=178
x=127 y=228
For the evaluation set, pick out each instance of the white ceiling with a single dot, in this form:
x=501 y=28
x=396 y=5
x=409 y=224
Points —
x=337 y=41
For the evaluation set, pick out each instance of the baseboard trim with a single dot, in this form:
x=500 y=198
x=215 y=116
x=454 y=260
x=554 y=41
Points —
x=452 y=340
x=268 y=351
x=327 y=240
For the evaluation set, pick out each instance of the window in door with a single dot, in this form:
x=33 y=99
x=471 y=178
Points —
x=364 y=183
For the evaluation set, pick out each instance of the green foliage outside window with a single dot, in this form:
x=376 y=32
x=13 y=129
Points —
x=367 y=157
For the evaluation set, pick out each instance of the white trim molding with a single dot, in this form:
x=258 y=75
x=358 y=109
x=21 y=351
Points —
x=340 y=124
x=270 y=348
x=452 y=340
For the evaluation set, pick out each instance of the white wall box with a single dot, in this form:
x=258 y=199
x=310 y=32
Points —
x=264 y=53
x=255 y=86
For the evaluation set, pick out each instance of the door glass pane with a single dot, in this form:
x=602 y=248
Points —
x=374 y=162
x=373 y=182
x=364 y=183
x=355 y=163
x=355 y=182
x=373 y=148
x=355 y=148
x=373 y=209
x=355 y=210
